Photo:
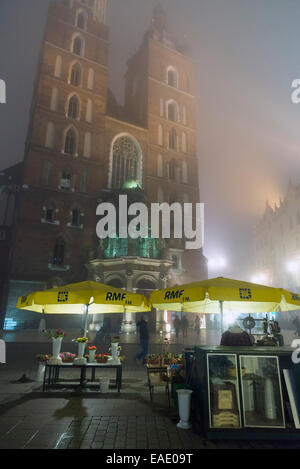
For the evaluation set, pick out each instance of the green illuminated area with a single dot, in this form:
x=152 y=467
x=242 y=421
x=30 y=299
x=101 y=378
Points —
x=141 y=247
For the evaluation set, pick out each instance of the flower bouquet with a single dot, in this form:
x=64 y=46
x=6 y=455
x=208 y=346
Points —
x=101 y=358
x=56 y=337
x=67 y=357
x=92 y=352
x=54 y=334
x=81 y=341
x=42 y=358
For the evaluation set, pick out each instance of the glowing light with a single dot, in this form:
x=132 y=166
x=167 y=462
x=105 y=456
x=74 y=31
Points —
x=217 y=263
x=259 y=278
x=168 y=328
x=292 y=266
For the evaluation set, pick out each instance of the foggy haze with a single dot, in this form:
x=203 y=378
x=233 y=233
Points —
x=247 y=56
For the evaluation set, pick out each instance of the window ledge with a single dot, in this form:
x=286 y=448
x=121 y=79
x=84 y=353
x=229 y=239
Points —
x=55 y=222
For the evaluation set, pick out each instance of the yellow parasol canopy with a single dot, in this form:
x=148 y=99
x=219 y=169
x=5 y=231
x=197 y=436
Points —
x=84 y=298
x=73 y=297
x=232 y=295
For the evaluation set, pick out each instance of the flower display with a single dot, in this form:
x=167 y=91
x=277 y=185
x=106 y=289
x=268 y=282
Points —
x=67 y=357
x=101 y=357
x=92 y=347
x=81 y=340
x=54 y=334
x=41 y=357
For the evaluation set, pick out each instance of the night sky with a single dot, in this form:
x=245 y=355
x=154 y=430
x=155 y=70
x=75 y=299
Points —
x=247 y=55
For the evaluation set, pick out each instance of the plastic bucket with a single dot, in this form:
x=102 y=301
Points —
x=103 y=384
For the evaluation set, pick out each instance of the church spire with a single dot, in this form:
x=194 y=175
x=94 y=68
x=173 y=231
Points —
x=159 y=20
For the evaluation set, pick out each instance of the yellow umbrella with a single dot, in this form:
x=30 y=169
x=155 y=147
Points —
x=220 y=294
x=84 y=297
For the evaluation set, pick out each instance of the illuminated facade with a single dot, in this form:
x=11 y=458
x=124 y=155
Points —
x=82 y=147
x=277 y=243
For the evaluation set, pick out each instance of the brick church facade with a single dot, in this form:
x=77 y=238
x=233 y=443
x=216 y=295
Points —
x=83 y=148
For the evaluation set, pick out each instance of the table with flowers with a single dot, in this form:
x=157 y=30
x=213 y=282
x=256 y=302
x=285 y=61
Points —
x=51 y=376
x=52 y=364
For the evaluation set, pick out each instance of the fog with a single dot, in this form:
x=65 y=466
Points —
x=247 y=56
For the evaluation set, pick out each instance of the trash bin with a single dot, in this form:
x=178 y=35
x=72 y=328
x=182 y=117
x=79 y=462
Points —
x=103 y=384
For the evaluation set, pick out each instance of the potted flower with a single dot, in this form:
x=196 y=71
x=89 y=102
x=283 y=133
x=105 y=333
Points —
x=101 y=358
x=56 y=337
x=92 y=352
x=153 y=359
x=42 y=358
x=67 y=357
x=81 y=341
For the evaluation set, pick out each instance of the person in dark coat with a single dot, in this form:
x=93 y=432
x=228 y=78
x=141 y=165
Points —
x=184 y=326
x=177 y=325
x=142 y=326
x=236 y=336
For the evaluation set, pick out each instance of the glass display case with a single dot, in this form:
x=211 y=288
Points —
x=241 y=392
x=261 y=392
x=224 y=408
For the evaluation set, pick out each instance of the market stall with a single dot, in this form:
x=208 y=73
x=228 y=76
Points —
x=245 y=392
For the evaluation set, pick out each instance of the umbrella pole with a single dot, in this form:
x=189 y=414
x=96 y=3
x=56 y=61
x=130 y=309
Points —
x=86 y=320
x=222 y=317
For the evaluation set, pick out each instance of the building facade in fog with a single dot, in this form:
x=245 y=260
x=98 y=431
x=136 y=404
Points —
x=83 y=148
x=277 y=243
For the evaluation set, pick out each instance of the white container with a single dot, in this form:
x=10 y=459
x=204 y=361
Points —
x=40 y=372
x=184 y=405
x=92 y=356
x=80 y=360
x=103 y=384
x=114 y=351
x=56 y=346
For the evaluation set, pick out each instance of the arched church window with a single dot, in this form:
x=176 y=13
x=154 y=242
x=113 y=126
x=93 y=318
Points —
x=125 y=161
x=70 y=142
x=172 y=77
x=172 y=111
x=172 y=170
x=73 y=107
x=77 y=45
x=75 y=78
x=81 y=20
x=173 y=139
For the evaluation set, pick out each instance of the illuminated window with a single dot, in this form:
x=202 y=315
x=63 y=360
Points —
x=125 y=161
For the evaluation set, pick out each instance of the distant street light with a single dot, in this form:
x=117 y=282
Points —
x=217 y=263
